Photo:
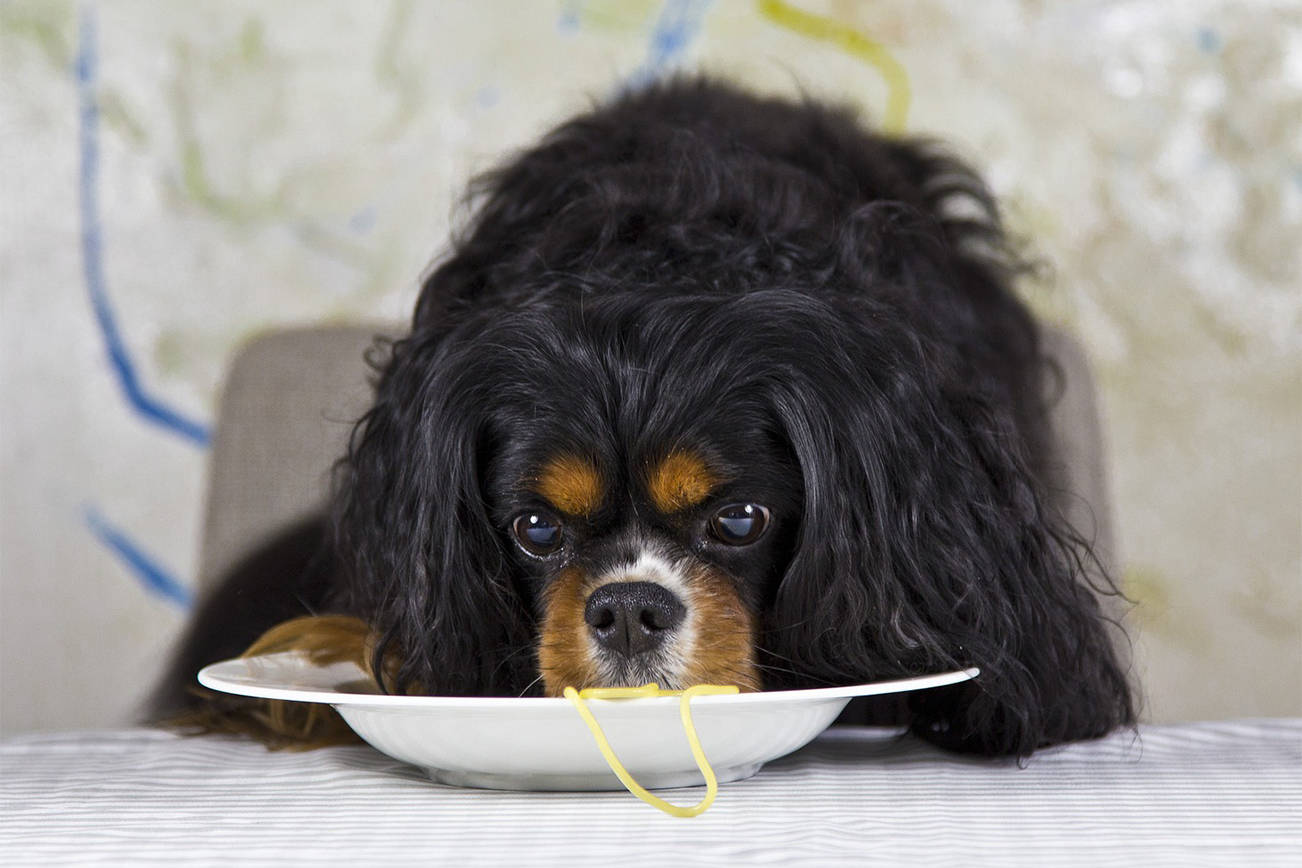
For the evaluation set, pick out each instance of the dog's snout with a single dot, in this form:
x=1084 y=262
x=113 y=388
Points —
x=632 y=617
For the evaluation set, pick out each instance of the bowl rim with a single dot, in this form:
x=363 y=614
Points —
x=235 y=676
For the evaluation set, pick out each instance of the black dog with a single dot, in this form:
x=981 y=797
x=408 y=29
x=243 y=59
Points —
x=713 y=389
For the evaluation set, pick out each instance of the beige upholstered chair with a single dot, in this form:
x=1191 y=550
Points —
x=291 y=398
x=286 y=410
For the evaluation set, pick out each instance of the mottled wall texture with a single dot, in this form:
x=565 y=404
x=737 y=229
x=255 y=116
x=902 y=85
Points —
x=179 y=176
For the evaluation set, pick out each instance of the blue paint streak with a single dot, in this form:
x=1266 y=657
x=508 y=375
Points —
x=1209 y=41
x=92 y=252
x=677 y=26
x=363 y=221
x=568 y=23
x=156 y=579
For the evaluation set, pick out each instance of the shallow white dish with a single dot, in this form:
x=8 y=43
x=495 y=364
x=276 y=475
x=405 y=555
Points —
x=543 y=744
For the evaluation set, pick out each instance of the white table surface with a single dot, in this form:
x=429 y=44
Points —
x=1227 y=793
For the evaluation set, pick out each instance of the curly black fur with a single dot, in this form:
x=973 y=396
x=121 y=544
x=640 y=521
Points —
x=692 y=264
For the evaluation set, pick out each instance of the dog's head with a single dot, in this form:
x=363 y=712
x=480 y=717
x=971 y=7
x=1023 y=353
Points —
x=678 y=411
x=639 y=469
x=762 y=489
x=613 y=480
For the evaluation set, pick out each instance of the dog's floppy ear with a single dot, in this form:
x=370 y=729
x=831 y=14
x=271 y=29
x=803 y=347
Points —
x=423 y=562
x=926 y=545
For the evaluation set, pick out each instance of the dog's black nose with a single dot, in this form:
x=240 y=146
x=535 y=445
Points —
x=632 y=617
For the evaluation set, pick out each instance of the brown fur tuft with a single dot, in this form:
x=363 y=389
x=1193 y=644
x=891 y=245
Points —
x=680 y=481
x=322 y=639
x=563 y=656
x=572 y=484
x=724 y=650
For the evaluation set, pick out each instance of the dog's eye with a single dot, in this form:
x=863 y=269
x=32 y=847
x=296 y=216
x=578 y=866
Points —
x=739 y=524
x=539 y=533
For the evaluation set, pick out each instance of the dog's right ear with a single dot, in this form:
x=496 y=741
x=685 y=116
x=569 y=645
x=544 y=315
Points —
x=421 y=560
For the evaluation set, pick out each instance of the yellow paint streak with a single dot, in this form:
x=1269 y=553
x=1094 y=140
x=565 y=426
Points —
x=571 y=484
x=854 y=43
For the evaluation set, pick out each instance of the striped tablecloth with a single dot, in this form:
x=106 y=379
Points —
x=1197 y=794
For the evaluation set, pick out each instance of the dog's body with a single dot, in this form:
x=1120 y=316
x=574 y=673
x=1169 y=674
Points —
x=713 y=389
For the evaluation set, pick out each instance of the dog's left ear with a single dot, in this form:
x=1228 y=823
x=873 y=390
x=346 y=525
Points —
x=424 y=565
x=926 y=545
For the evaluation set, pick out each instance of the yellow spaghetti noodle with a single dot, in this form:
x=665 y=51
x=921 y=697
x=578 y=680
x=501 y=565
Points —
x=579 y=699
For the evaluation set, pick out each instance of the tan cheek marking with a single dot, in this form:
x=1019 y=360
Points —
x=571 y=484
x=564 y=658
x=680 y=481
x=724 y=648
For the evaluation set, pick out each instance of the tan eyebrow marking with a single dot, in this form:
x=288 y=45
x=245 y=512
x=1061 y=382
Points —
x=681 y=480
x=571 y=484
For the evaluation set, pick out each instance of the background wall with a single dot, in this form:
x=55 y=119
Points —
x=179 y=176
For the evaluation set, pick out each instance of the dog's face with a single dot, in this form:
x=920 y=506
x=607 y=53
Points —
x=644 y=495
x=646 y=562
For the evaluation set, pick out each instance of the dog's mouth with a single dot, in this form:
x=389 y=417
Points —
x=637 y=673
x=650 y=623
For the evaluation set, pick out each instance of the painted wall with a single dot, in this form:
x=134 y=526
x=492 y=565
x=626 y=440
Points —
x=177 y=177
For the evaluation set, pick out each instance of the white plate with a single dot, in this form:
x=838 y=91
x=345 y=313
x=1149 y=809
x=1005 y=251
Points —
x=542 y=744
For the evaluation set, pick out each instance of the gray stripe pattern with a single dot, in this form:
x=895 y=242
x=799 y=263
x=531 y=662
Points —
x=1195 y=794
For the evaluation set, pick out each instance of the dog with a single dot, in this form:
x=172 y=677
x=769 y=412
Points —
x=712 y=388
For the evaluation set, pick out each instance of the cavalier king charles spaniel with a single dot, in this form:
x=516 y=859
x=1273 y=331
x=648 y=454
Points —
x=713 y=388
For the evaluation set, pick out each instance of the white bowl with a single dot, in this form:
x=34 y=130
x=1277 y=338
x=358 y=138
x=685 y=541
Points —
x=543 y=744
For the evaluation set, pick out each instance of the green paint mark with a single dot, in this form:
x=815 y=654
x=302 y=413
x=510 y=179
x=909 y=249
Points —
x=1157 y=611
x=624 y=16
x=1266 y=606
x=253 y=46
x=1232 y=341
x=240 y=210
x=404 y=81
x=1148 y=588
x=48 y=25
x=170 y=353
x=114 y=114
x=195 y=182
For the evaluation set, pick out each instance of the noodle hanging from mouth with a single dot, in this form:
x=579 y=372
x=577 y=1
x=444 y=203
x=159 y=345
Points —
x=579 y=700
